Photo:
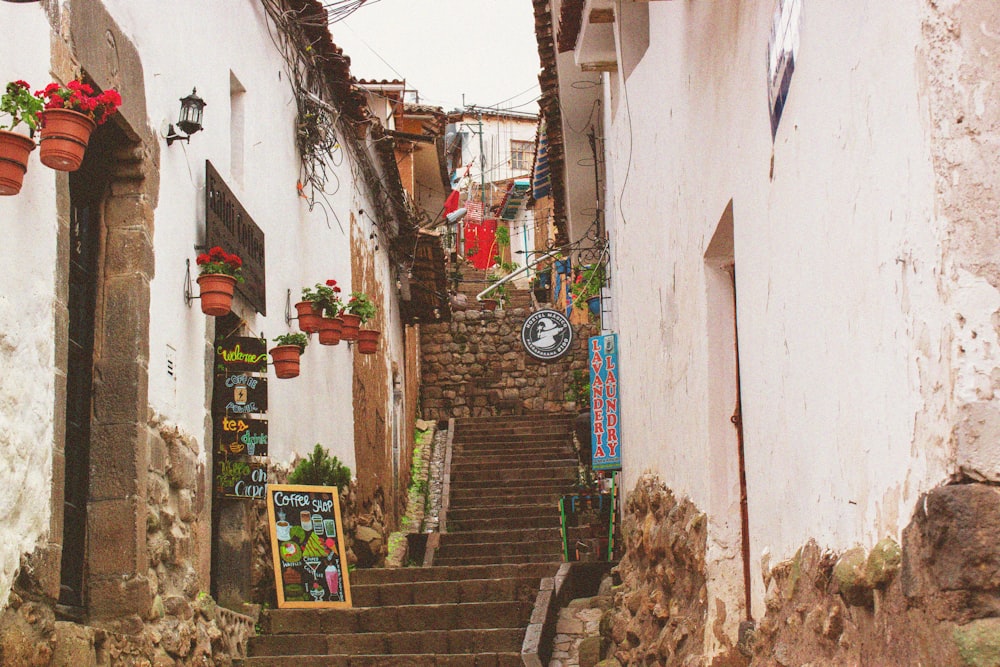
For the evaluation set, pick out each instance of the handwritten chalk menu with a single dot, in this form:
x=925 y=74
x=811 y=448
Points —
x=239 y=401
x=307 y=545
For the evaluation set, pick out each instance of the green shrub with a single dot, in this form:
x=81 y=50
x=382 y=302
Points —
x=321 y=469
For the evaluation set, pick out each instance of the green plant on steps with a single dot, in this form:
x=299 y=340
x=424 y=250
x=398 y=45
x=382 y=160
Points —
x=321 y=469
x=579 y=389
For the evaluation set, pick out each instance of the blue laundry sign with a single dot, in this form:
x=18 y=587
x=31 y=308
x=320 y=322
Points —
x=605 y=427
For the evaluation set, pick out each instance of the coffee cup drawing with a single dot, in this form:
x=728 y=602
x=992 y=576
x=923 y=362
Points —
x=283 y=530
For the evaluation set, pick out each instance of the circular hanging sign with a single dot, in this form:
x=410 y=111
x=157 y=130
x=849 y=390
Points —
x=546 y=334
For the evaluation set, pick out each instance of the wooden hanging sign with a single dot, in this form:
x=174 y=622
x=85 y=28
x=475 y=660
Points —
x=307 y=546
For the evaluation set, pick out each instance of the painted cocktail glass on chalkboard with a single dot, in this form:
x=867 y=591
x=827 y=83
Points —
x=309 y=558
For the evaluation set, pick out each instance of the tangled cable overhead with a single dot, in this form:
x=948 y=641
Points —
x=331 y=116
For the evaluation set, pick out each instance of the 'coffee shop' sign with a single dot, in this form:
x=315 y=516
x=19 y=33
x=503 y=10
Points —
x=227 y=224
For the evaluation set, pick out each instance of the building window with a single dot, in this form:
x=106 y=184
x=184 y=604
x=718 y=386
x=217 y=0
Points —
x=522 y=154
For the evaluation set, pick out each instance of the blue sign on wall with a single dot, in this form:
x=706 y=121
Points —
x=605 y=427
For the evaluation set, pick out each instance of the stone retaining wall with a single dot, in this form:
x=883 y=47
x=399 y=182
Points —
x=476 y=366
x=181 y=625
x=934 y=600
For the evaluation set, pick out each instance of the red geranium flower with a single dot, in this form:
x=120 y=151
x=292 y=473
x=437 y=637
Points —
x=331 y=282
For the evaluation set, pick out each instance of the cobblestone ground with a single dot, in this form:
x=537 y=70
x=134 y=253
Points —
x=579 y=622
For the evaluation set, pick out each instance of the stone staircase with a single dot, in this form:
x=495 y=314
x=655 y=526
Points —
x=472 y=607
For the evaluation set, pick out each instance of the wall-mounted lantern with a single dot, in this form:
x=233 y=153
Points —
x=189 y=121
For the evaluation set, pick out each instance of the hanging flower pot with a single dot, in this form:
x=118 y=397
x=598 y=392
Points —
x=330 y=330
x=14 y=151
x=594 y=303
x=286 y=360
x=65 y=135
x=351 y=325
x=368 y=341
x=216 y=293
x=308 y=316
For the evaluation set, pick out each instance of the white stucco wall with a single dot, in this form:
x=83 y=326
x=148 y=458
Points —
x=303 y=247
x=844 y=339
x=27 y=345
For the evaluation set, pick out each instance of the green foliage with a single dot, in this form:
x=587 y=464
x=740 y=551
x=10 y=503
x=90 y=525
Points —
x=588 y=283
x=579 y=388
x=501 y=292
x=326 y=296
x=21 y=106
x=359 y=304
x=298 y=339
x=321 y=469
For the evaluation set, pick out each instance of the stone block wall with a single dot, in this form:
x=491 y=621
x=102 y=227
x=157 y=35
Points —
x=933 y=600
x=179 y=624
x=476 y=366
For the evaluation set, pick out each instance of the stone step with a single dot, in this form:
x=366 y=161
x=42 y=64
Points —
x=508 y=659
x=398 y=575
x=517 y=589
x=505 y=456
x=479 y=431
x=515 y=536
x=487 y=485
x=465 y=463
x=499 y=447
x=550 y=519
x=470 y=497
x=433 y=642
x=512 y=476
x=554 y=558
x=449 y=549
x=511 y=512
x=548 y=499
x=402 y=618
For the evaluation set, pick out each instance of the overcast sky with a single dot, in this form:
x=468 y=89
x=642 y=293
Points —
x=483 y=48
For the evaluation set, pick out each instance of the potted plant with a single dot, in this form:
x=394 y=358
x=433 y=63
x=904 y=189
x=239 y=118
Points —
x=589 y=280
x=286 y=352
x=220 y=271
x=358 y=310
x=71 y=114
x=499 y=294
x=20 y=106
x=324 y=304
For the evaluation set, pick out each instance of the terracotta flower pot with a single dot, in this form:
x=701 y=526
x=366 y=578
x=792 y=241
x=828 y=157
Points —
x=216 y=293
x=368 y=341
x=14 y=151
x=308 y=316
x=489 y=304
x=286 y=360
x=351 y=325
x=64 y=138
x=330 y=330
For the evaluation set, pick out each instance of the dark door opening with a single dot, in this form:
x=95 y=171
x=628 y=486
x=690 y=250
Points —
x=87 y=188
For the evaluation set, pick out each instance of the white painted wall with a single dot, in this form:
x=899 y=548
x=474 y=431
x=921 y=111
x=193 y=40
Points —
x=303 y=247
x=843 y=334
x=27 y=346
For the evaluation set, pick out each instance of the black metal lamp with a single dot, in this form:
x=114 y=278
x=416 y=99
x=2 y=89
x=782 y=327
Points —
x=189 y=121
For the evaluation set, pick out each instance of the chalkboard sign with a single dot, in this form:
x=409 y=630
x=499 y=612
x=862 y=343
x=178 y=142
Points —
x=307 y=545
